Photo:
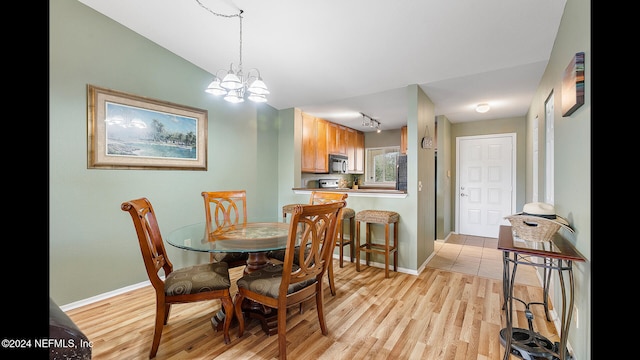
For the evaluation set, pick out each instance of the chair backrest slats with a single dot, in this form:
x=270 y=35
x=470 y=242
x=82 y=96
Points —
x=224 y=208
x=323 y=197
x=311 y=238
x=150 y=239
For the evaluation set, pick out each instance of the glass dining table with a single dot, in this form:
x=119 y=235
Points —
x=254 y=238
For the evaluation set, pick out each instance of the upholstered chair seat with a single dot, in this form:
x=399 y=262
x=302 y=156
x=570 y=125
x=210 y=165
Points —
x=264 y=282
x=198 y=278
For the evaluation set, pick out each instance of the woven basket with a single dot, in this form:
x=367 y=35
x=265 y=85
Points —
x=533 y=228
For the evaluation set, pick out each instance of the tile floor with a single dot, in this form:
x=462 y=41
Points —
x=477 y=256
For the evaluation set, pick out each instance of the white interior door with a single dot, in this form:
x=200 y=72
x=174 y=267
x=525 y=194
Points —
x=549 y=151
x=486 y=180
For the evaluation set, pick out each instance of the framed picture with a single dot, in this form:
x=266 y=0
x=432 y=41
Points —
x=573 y=85
x=132 y=132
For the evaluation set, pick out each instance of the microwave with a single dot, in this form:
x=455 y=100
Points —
x=338 y=164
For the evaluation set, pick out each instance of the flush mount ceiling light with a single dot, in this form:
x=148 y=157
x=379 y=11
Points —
x=233 y=83
x=483 y=108
x=372 y=123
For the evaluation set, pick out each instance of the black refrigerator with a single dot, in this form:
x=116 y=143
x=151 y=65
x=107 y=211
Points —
x=401 y=173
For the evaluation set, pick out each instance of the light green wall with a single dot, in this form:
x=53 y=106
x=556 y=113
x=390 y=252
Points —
x=93 y=248
x=444 y=180
x=421 y=172
x=572 y=143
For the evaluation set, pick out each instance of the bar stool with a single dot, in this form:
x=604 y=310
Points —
x=288 y=209
x=347 y=214
x=378 y=217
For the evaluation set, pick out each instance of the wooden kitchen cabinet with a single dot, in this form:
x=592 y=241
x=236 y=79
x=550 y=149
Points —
x=336 y=139
x=321 y=138
x=351 y=150
x=403 y=140
x=344 y=138
x=355 y=151
x=308 y=143
x=359 y=166
x=314 y=145
x=322 y=155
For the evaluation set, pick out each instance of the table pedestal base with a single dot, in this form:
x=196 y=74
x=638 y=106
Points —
x=217 y=321
x=267 y=316
x=268 y=322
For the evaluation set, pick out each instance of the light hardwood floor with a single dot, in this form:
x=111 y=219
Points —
x=438 y=314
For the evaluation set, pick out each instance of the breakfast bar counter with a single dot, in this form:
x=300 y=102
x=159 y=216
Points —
x=366 y=192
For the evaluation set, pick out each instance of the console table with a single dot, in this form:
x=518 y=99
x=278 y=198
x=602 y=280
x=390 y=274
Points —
x=557 y=254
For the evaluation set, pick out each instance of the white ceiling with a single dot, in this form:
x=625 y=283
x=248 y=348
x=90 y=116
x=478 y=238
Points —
x=335 y=57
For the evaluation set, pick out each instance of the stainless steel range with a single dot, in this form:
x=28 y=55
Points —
x=328 y=183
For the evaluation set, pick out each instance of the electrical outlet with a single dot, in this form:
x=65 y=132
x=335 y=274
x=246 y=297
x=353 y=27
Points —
x=187 y=242
x=575 y=315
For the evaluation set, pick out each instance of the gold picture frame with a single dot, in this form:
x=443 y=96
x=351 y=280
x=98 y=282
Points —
x=126 y=131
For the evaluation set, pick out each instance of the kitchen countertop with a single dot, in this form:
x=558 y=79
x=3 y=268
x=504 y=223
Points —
x=366 y=192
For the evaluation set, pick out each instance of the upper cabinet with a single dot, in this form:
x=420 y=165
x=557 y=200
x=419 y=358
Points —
x=336 y=139
x=321 y=138
x=359 y=159
x=355 y=151
x=314 y=145
x=403 y=140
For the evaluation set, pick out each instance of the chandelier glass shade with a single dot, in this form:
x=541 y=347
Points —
x=234 y=84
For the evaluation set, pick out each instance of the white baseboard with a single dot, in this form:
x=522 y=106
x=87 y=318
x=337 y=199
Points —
x=103 y=296
x=380 y=265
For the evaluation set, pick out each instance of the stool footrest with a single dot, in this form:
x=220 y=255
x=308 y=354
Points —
x=376 y=248
x=381 y=217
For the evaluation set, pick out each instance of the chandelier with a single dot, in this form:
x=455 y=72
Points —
x=372 y=123
x=234 y=84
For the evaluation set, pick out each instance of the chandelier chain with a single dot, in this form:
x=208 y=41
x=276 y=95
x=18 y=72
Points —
x=234 y=84
x=218 y=14
x=239 y=15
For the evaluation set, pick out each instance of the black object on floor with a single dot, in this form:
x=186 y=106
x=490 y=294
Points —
x=529 y=345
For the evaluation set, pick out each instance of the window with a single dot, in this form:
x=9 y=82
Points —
x=380 y=167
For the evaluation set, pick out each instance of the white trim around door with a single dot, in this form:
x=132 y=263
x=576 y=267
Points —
x=485 y=183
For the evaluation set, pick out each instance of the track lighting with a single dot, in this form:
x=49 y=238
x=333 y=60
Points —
x=372 y=123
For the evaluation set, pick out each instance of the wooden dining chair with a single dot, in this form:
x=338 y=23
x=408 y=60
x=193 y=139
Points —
x=323 y=197
x=224 y=208
x=190 y=284
x=319 y=197
x=288 y=284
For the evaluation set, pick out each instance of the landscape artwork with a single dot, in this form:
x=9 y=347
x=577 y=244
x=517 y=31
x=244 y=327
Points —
x=132 y=132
